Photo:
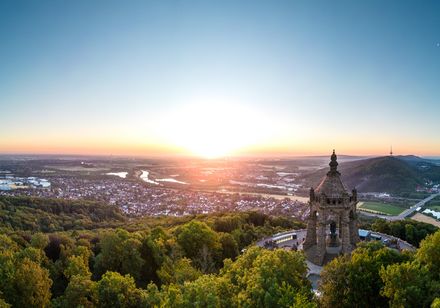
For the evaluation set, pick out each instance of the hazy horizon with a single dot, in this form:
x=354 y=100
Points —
x=341 y=156
x=219 y=78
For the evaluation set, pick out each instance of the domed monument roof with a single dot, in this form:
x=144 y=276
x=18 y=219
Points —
x=331 y=185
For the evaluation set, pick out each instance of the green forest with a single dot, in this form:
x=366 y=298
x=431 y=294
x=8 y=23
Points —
x=58 y=253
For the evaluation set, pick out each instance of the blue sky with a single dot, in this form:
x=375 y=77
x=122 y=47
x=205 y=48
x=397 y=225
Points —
x=102 y=76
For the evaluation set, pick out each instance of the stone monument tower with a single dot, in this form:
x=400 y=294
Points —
x=332 y=226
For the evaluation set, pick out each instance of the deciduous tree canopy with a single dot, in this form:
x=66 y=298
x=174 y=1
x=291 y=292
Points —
x=203 y=261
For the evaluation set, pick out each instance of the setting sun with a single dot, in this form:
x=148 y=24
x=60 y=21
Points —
x=214 y=130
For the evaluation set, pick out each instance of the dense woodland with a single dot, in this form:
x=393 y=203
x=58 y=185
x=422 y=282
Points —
x=56 y=253
x=51 y=215
x=408 y=230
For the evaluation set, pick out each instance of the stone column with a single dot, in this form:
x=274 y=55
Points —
x=320 y=245
x=346 y=245
x=311 y=231
x=340 y=226
x=354 y=231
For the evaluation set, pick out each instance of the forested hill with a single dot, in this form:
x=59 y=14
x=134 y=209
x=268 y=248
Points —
x=50 y=215
x=194 y=261
x=392 y=174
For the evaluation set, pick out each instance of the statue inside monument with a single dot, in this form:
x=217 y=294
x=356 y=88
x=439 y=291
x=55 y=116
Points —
x=333 y=240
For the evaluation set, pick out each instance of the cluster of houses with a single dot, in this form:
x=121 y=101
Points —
x=10 y=182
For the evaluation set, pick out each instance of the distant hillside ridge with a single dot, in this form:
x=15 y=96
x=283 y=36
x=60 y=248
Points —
x=392 y=174
x=52 y=215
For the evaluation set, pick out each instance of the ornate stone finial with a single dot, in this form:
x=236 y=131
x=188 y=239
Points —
x=333 y=164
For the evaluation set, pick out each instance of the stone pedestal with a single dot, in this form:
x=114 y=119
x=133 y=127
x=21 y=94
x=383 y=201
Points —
x=333 y=240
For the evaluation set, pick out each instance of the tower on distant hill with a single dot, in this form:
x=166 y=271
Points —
x=391 y=151
x=332 y=226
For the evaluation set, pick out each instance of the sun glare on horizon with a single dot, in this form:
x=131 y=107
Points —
x=213 y=130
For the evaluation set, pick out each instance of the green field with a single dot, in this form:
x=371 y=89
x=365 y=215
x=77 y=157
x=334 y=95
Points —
x=434 y=207
x=381 y=208
x=434 y=204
